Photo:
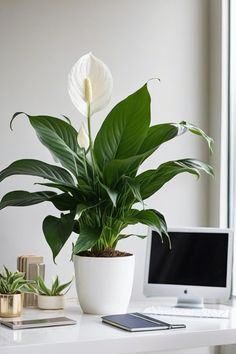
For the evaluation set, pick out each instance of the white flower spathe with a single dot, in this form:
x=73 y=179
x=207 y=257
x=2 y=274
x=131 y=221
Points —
x=90 y=83
x=82 y=138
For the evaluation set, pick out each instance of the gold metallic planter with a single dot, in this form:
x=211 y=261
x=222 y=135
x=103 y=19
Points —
x=10 y=305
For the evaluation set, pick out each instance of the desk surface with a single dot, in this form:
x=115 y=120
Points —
x=90 y=335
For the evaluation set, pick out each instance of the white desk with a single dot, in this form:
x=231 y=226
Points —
x=90 y=336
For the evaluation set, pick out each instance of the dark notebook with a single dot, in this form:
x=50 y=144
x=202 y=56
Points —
x=135 y=322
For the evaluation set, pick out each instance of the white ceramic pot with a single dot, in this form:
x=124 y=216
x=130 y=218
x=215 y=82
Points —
x=50 y=302
x=104 y=284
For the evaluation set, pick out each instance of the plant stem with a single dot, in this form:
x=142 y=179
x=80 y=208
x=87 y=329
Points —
x=90 y=139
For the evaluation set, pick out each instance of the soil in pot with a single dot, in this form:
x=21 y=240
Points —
x=109 y=252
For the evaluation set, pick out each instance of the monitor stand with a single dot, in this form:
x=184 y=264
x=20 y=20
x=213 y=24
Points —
x=190 y=302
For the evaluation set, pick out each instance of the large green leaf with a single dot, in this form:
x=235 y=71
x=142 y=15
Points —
x=123 y=236
x=148 y=217
x=57 y=231
x=156 y=136
x=24 y=198
x=62 y=187
x=134 y=188
x=38 y=168
x=64 y=201
x=124 y=129
x=111 y=193
x=88 y=236
x=59 y=137
x=115 y=169
x=152 y=180
x=161 y=133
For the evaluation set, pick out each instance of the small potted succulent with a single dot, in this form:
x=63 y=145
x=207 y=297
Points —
x=12 y=284
x=49 y=298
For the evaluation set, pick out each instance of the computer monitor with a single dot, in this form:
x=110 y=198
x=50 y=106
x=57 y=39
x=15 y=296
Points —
x=196 y=269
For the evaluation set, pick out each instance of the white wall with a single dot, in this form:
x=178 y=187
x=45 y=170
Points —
x=41 y=40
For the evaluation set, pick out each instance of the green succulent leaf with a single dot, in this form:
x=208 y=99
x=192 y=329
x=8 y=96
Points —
x=43 y=290
x=29 y=288
x=124 y=129
x=39 y=287
x=24 y=198
x=12 y=282
x=57 y=231
x=55 y=285
x=37 y=168
x=62 y=287
x=152 y=180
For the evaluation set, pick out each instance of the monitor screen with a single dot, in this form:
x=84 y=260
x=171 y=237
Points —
x=195 y=259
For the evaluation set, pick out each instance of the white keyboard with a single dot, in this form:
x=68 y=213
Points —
x=187 y=312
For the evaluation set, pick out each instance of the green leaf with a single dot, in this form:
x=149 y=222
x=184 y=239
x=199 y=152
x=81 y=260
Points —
x=7 y=272
x=152 y=180
x=64 y=202
x=159 y=134
x=24 y=198
x=55 y=285
x=30 y=288
x=134 y=187
x=116 y=169
x=124 y=129
x=148 y=217
x=42 y=287
x=123 y=236
x=38 y=168
x=81 y=207
x=59 y=137
x=195 y=130
x=87 y=238
x=57 y=231
x=62 y=187
x=62 y=287
x=111 y=193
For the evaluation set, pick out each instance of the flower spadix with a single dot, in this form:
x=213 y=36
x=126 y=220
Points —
x=82 y=138
x=90 y=84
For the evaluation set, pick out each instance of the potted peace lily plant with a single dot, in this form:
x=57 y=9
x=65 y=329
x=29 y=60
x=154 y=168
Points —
x=100 y=190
